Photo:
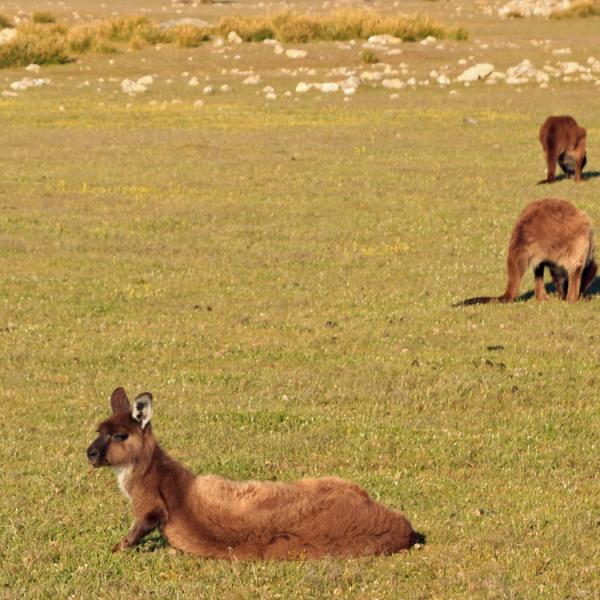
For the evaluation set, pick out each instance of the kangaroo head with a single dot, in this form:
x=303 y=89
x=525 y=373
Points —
x=121 y=437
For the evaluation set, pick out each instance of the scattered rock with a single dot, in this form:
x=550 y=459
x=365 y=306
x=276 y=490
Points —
x=207 y=90
x=194 y=81
x=302 y=88
x=393 y=84
x=199 y=104
x=533 y=8
x=7 y=35
x=476 y=72
x=234 y=38
x=33 y=68
x=28 y=82
x=291 y=53
x=384 y=39
x=252 y=80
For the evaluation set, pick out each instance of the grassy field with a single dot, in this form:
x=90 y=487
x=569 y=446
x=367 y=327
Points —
x=280 y=275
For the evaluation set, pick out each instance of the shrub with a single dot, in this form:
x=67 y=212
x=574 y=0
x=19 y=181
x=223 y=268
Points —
x=337 y=25
x=369 y=57
x=38 y=44
x=5 y=22
x=189 y=36
x=43 y=18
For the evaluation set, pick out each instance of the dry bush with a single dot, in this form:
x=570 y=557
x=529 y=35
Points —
x=337 y=25
x=189 y=36
x=579 y=10
x=43 y=18
x=40 y=44
x=5 y=21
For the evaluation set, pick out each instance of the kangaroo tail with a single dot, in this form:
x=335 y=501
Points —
x=482 y=300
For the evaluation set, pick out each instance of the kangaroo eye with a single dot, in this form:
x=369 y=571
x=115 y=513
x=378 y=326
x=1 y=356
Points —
x=121 y=436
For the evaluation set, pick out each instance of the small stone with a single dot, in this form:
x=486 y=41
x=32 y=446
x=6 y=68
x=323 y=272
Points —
x=252 y=80
x=234 y=38
x=33 y=68
x=291 y=53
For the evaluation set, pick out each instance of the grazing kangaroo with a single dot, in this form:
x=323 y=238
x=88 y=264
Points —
x=549 y=233
x=563 y=141
x=217 y=518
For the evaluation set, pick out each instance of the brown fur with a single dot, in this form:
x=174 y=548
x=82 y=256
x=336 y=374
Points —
x=563 y=141
x=549 y=233
x=214 y=517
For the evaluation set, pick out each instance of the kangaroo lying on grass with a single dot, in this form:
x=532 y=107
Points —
x=563 y=141
x=549 y=233
x=217 y=518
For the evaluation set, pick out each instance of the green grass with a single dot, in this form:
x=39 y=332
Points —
x=280 y=275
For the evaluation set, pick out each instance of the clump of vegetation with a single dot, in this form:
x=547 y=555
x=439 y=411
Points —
x=42 y=17
x=189 y=36
x=369 y=57
x=337 y=25
x=40 y=44
x=579 y=10
x=44 y=42
x=5 y=22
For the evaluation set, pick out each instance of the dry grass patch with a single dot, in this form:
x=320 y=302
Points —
x=5 y=22
x=335 y=26
x=189 y=36
x=42 y=17
x=579 y=10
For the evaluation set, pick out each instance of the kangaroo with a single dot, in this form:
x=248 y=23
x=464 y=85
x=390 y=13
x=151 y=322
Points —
x=214 y=517
x=554 y=234
x=563 y=141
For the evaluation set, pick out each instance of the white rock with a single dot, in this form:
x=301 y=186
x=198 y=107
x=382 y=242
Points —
x=278 y=49
x=561 y=51
x=270 y=42
x=443 y=79
x=393 y=52
x=476 y=72
x=28 y=82
x=302 y=88
x=225 y=88
x=524 y=69
x=194 y=81
x=349 y=91
x=370 y=76
x=9 y=94
x=33 y=68
x=234 y=38
x=291 y=53
x=146 y=80
x=428 y=40
x=198 y=103
x=271 y=96
x=569 y=68
x=385 y=39
x=208 y=89
x=393 y=84
x=252 y=80
x=132 y=87
x=542 y=77
x=7 y=35
x=268 y=89
x=329 y=87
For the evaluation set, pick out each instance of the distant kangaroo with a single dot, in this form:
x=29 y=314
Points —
x=217 y=518
x=549 y=233
x=563 y=141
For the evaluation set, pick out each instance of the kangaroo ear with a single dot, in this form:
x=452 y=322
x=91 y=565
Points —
x=142 y=409
x=119 y=402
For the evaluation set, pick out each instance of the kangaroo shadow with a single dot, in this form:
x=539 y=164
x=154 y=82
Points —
x=593 y=290
x=585 y=176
